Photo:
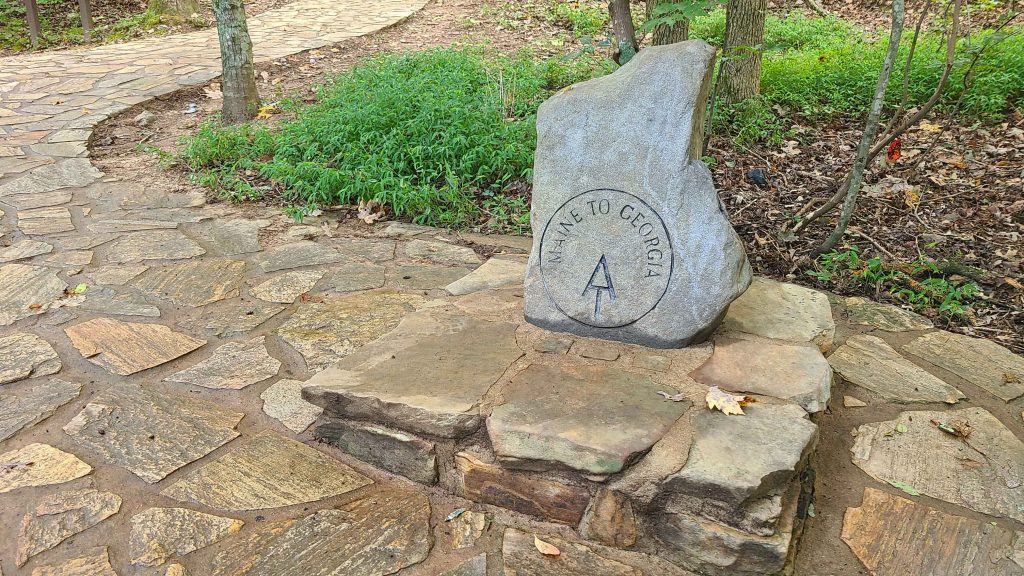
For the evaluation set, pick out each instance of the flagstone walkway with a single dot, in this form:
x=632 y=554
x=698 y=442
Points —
x=153 y=348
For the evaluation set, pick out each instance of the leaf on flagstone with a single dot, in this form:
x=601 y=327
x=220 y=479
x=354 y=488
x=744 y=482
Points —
x=731 y=404
x=673 y=397
x=904 y=486
x=545 y=548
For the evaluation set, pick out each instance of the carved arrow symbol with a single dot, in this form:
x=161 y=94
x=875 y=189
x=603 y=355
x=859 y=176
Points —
x=600 y=274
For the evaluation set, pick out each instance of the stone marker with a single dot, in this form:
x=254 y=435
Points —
x=633 y=241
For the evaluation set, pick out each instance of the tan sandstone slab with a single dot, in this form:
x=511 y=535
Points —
x=984 y=472
x=128 y=347
x=25 y=355
x=591 y=419
x=232 y=237
x=297 y=254
x=95 y=562
x=442 y=253
x=883 y=316
x=117 y=275
x=867 y=361
x=233 y=366
x=149 y=433
x=27 y=290
x=30 y=405
x=427 y=376
x=24 y=249
x=379 y=534
x=782 y=311
x=791 y=372
x=355 y=276
x=894 y=536
x=495 y=273
x=285 y=288
x=229 y=319
x=283 y=401
x=39 y=221
x=424 y=276
x=324 y=332
x=194 y=283
x=57 y=517
x=160 y=534
x=981 y=362
x=38 y=465
x=267 y=471
x=522 y=558
x=153 y=245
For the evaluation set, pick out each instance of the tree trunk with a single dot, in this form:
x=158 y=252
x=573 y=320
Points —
x=241 y=100
x=741 y=55
x=665 y=33
x=176 y=10
x=622 y=27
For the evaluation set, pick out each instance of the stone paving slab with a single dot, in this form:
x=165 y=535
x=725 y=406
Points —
x=57 y=517
x=869 y=362
x=27 y=405
x=128 y=347
x=39 y=465
x=981 y=362
x=25 y=355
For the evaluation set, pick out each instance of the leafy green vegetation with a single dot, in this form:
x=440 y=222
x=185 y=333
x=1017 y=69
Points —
x=921 y=283
x=583 y=19
x=60 y=25
x=435 y=135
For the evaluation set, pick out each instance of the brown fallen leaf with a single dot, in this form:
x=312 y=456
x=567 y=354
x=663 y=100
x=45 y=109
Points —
x=728 y=403
x=545 y=548
x=958 y=428
x=1010 y=378
x=370 y=212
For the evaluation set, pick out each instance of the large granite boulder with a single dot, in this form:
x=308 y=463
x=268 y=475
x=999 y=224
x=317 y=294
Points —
x=631 y=240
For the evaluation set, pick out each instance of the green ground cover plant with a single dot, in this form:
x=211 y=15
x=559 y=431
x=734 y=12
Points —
x=60 y=25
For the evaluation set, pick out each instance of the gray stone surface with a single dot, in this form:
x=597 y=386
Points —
x=981 y=362
x=118 y=275
x=285 y=288
x=229 y=319
x=149 y=433
x=50 y=220
x=553 y=345
x=295 y=255
x=867 y=361
x=153 y=245
x=106 y=226
x=984 y=472
x=631 y=240
x=266 y=471
x=783 y=312
x=71 y=173
x=791 y=372
x=106 y=301
x=495 y=273
x=30 y=405
x=427 y=376
x=25 y=355
x=591 y=419
x=596 y=350
x=160 y=534
x=24 y=249
x=475 y=566
x=367 y=249
x=424 y=276
x=392 y=450
x=57 y=517
x=354 y=276
x=194 y=283
x=27 y=290
x=522 y=558
x=378 y=534
x=883 y=316
x=442 y=253
x=283 y=402
x=233 y=366
x=232 y=237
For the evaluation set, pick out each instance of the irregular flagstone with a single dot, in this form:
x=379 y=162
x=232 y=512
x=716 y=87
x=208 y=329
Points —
x=194 y=283
x=150 y=197
x=354 y=276
x=739 y=468
x=30 y=201
x=295 y=255
x=117 y=275
x=59 y=516
x=267 y=471
x=27 y=290
x=233 y=366
x=40 y=221
x=324 y=332
x=442 y=253
x=883 y=316
x=467 y=528
x=495 y=273
x=149 y=433
x=24 y=249
x=106 y=301
x=160 y=534
x=851 y=402
x=379 y=534
x=232 y=237
x=396 y=229
x=522 y=558
x=597 y=350
x=106 y=226
x=38 y=465
x=894 y=536
x=591 y=419
x=153 y=245
x=427 y=376
x=85 y=241
x=95 y=562
x=981 y=362
x=475 y=566
x=367 y=249
x=424 y=277
x=554 y=345
x=529 y=494
x=867 y=361
x=392 y=450
x=782 y=311
x=72 y=173
x=609 y=520
x=231 y=319
x=24 y=355
x=72 y=258
x=285 y=288
x=128 y=347
x=34 y=404
x=984 y=472
x=792 y=372
x=283 y=402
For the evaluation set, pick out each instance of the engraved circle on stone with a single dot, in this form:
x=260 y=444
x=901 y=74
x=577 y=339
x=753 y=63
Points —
x=604 y=249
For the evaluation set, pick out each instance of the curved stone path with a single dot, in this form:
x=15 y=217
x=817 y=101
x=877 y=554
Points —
x=153 y=349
